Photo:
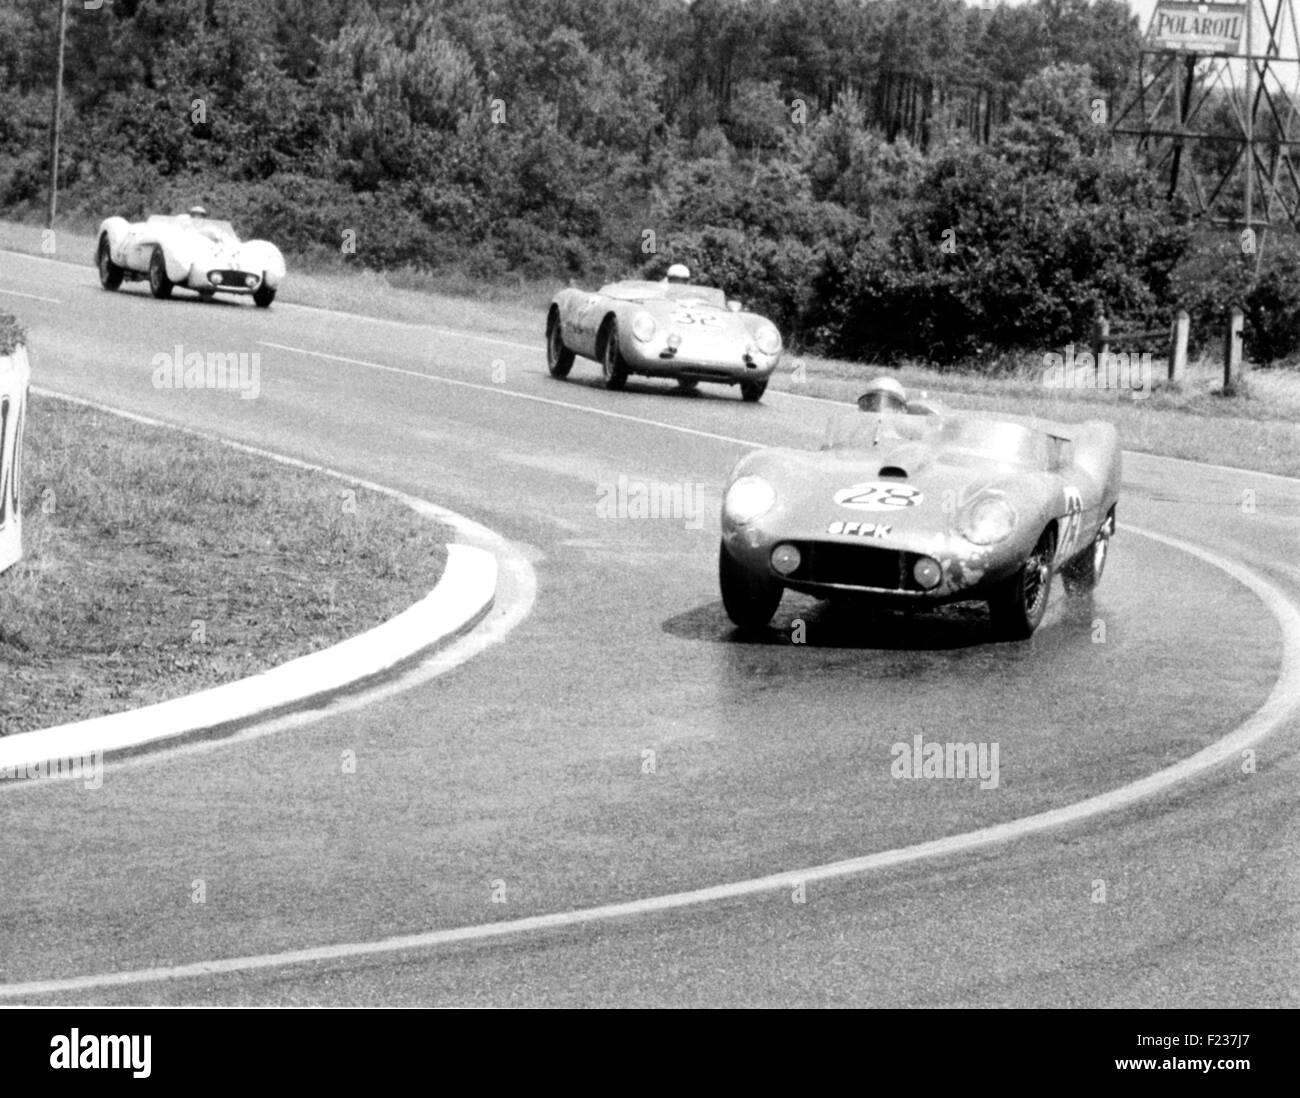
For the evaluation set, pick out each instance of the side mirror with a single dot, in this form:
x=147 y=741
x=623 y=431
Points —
x=734 y=306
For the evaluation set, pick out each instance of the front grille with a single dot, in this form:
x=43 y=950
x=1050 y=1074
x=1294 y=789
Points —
x=703 y=373
x=846 y=565
x=234 y=278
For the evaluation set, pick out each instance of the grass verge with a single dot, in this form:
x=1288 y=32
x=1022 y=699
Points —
x=158 y=564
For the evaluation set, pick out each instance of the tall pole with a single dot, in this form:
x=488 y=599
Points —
x=1250 y=115
x=58 y=111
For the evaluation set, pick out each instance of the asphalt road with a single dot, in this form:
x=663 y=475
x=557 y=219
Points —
x=621 y=743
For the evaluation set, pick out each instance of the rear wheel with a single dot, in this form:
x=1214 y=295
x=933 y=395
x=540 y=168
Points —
x=159 y=284
x=263 y=296
x=612 y=365
x=1020 y=601
x=110 y=274
x=1083 y=573
x=751 y=392
x=750 y=601
x=559 y=359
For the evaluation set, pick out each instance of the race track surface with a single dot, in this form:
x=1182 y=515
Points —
x=623 y=743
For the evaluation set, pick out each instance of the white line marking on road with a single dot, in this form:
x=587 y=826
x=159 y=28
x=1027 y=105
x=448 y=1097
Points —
x=454 y=333
x=497 y=390
x=1282 y=702
x=32 y=297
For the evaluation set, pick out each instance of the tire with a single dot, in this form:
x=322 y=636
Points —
x=207 y=295
x=559 y=359
x=110 y=274
x=612 y=365
x=263 y=296
x=1082 y=574
x=750 y=601
x=690 y=384
x=751 y=392
x=159 y=284
x=1017 y=606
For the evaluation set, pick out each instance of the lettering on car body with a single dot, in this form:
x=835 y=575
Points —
x=860 y=529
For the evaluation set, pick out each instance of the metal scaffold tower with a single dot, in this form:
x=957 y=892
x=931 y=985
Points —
x=1215 y=109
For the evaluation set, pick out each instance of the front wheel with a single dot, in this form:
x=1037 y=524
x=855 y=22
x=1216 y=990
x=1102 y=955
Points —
x=689 y=383
x=559 y=359
x=612 y=365
x=110 y=274
x=1082 y=574
x=263 y=296
x=159 y=284
x=1018 y=604
x=751 y=392
x=750 y=601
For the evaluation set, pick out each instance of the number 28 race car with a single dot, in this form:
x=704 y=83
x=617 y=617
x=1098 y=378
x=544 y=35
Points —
x=910 y=505
x=663 y=329
x=188 y=250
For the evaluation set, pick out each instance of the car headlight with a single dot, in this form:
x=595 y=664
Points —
x=643 y=327
x=748 y=498
x=768 y=339
x=988 y=520
x=215 y=278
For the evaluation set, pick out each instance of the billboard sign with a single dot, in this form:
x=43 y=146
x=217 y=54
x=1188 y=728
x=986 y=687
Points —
x=1198 y=28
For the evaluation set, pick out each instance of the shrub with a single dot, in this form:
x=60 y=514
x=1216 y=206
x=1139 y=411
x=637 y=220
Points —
x=12 y=334
x=1210 y=280
x=1217 y=275
x=1002 y=254
x=1273 y=305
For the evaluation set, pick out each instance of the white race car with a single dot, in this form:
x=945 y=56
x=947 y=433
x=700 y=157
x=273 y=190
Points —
x=189 y=250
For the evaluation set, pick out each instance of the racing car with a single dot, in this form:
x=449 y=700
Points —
x=670 y=329
x=189 y=250
x=908 y=504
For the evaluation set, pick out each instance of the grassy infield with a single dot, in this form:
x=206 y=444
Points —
x=146 y=578
x=126 y=555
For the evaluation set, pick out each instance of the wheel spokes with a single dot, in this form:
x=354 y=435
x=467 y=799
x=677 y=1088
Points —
x=1037 y=575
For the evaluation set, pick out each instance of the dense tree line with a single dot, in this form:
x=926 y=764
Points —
x=810 y=154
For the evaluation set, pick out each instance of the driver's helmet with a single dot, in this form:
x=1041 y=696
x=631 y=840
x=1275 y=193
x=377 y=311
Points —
x=678 y=273
x=883 y=395
x=197 y=212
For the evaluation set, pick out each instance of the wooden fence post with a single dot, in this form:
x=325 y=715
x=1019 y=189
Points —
x=1100 y=336
x=1178 y=348
x=1233 y=359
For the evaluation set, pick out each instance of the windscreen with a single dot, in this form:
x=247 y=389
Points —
x=956 y=440
x=667 y=291
x=219 y=232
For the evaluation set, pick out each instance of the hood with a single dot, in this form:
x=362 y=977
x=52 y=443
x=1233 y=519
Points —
x=903 y=493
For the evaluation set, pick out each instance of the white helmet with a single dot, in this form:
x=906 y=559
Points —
x=883 y=395
x=197 y=211
x=679 y=272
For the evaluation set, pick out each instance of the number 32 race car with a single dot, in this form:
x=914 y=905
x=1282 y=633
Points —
x=910 y=505
x=188 y=250
x=663 y=329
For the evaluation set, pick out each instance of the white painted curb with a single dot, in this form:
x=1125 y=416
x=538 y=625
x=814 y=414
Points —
x=461 y=597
